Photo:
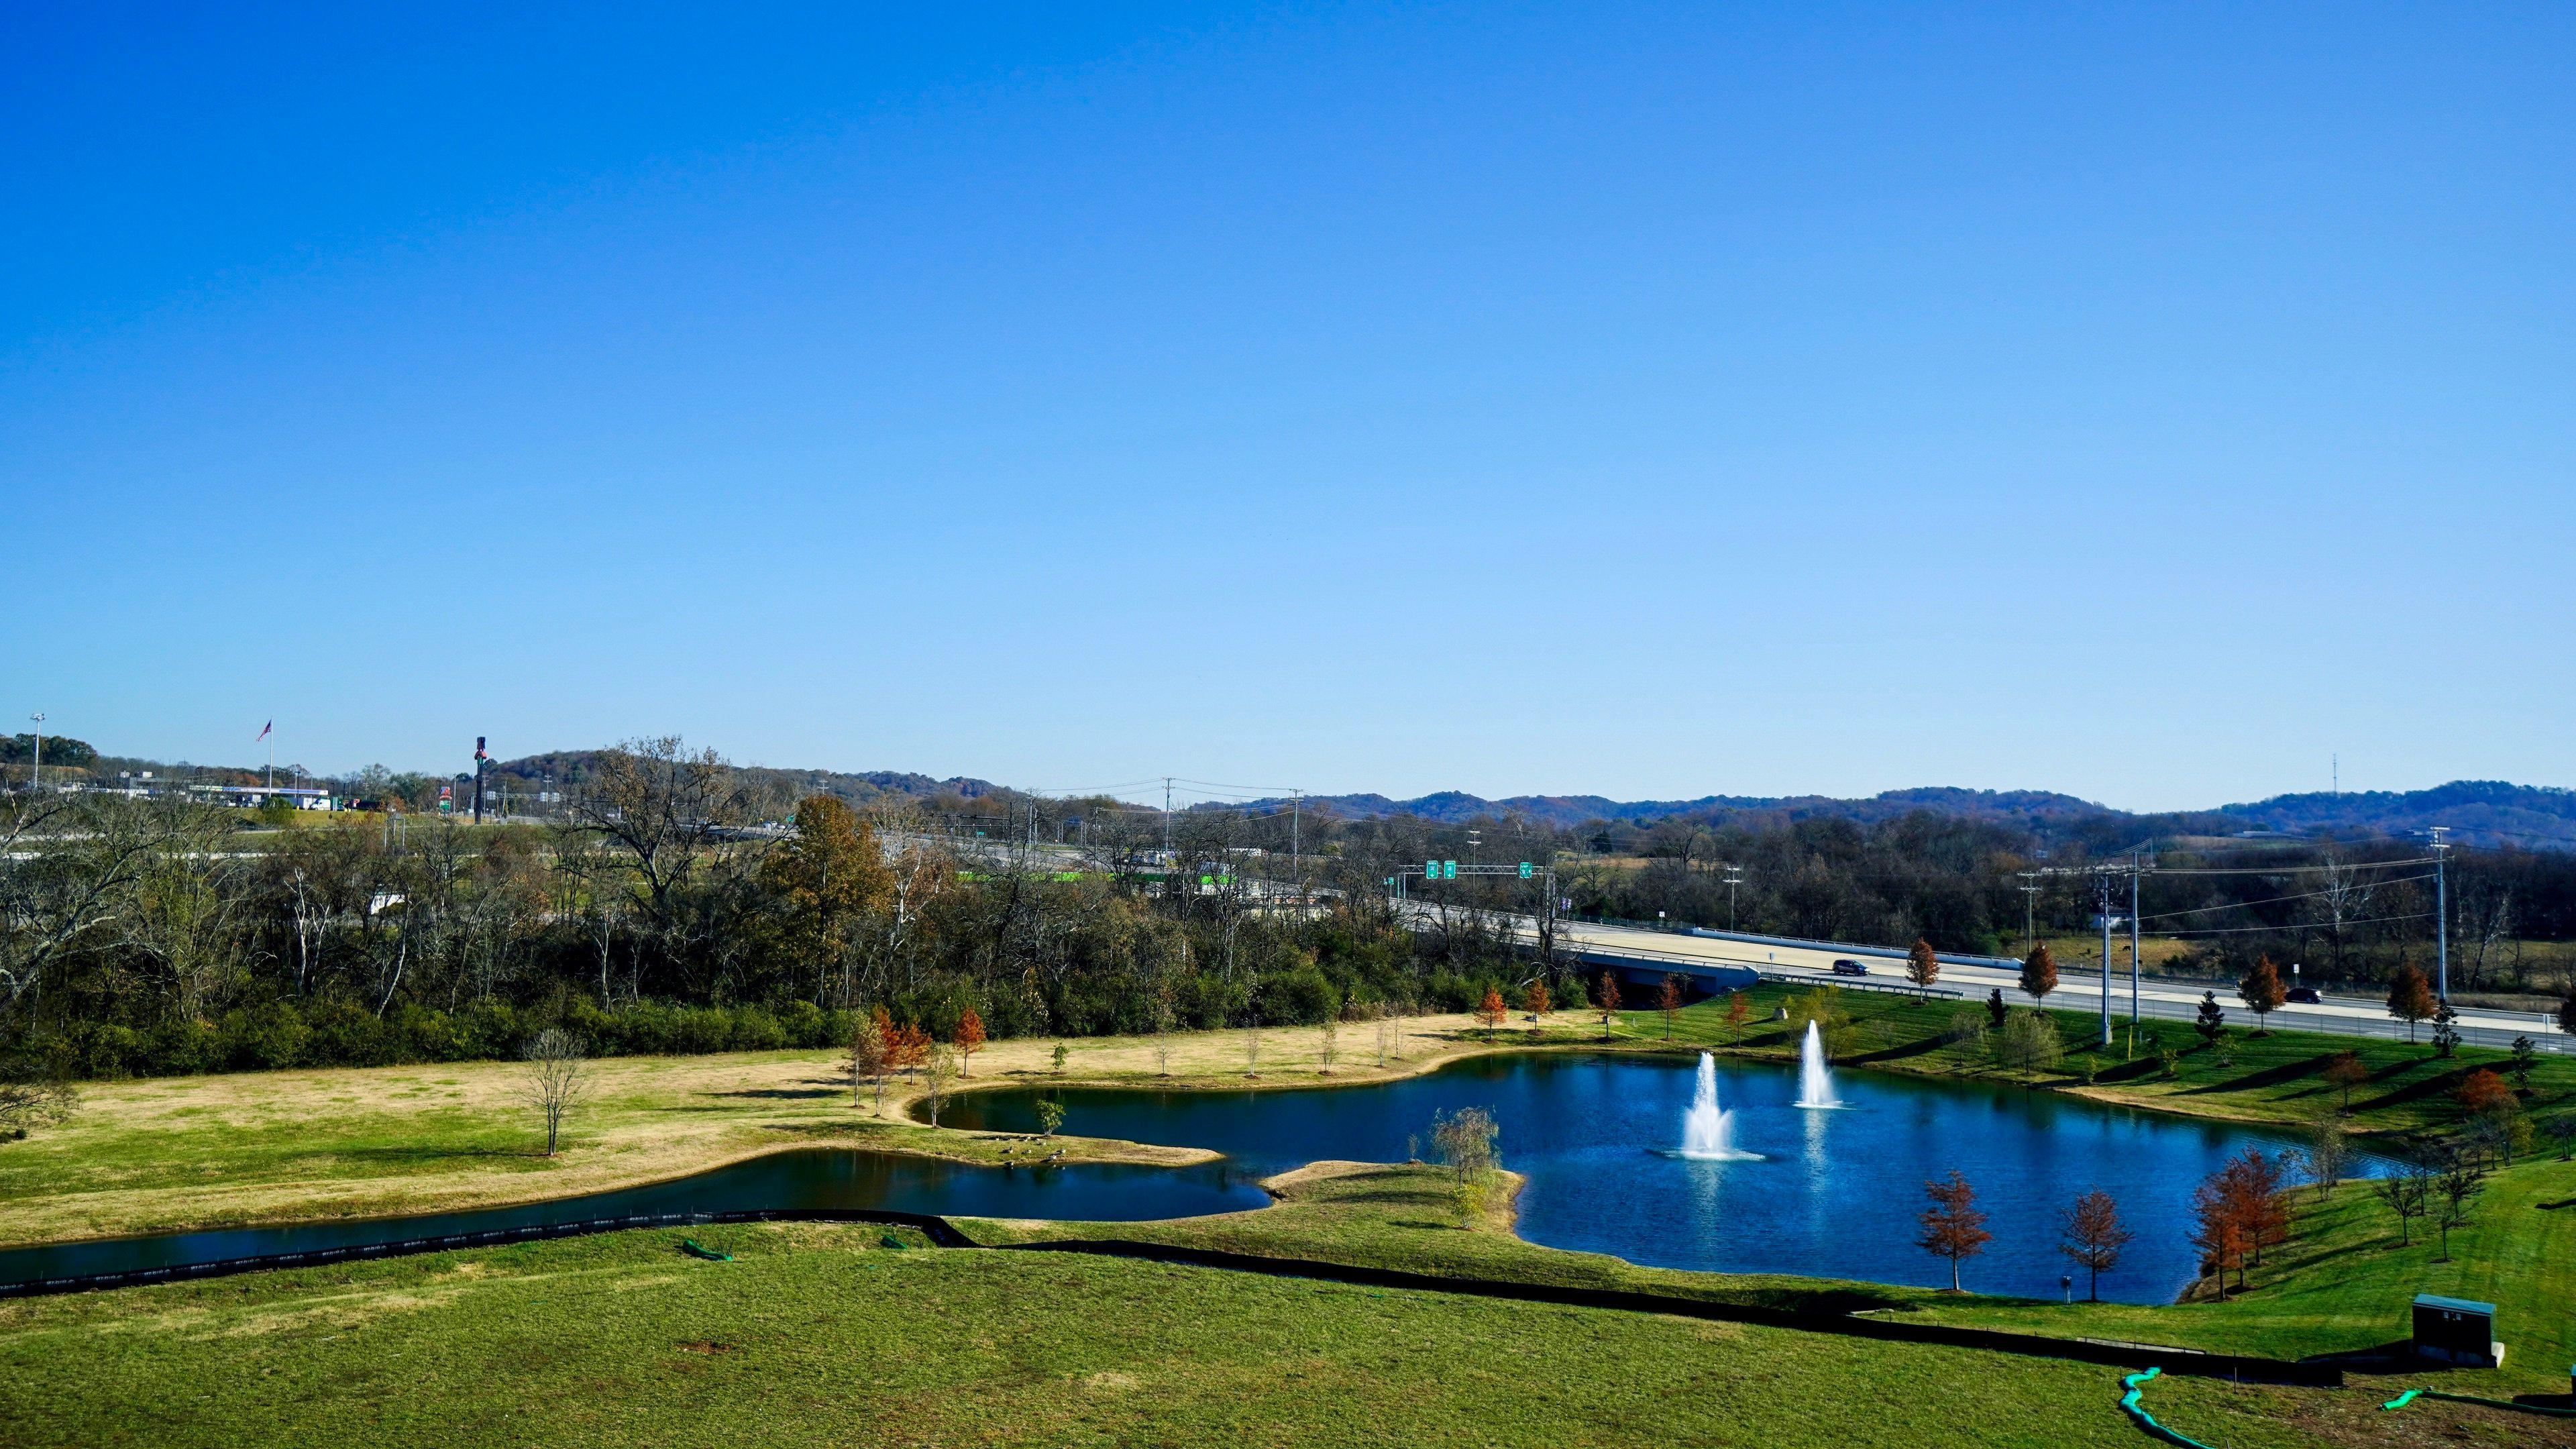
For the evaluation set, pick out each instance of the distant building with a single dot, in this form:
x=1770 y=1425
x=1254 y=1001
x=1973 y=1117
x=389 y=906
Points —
x=252 y=797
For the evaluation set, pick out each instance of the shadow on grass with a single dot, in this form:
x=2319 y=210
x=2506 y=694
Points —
x=2269 y=1077
x=1923 y=1047
x=415 y=1155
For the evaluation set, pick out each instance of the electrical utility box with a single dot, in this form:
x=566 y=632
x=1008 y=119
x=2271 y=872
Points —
x=2456 y=1331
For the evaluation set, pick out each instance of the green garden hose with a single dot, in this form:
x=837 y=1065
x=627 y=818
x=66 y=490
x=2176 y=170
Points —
x=2129 y=1401
x=2411 y=1395
x=690 y=1247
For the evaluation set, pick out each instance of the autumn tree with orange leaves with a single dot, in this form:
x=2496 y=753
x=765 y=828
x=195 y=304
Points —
x=970 y=1040
x=1953 y=1228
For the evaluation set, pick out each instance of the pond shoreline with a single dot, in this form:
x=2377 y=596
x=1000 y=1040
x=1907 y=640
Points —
x=899 y=1133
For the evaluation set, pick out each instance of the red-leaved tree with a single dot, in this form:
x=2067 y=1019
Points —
x=970 y=1040
x=1953 y=1228
x=2038 y=972
x=2094 y=1237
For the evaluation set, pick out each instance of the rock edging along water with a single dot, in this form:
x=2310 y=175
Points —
x=2234 y=1367
x=938 y=1229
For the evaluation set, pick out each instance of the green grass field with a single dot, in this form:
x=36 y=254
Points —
x=820 y=1335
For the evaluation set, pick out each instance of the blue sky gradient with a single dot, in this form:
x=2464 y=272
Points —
x=1652 y=400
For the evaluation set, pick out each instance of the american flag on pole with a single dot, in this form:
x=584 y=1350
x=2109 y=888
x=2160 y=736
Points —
x=263 y=732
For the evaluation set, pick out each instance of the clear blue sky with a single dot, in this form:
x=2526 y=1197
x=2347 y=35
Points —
x=2142 y=402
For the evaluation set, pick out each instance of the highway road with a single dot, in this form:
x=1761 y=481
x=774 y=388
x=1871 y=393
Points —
x=2076 y=991
x=1647 y=950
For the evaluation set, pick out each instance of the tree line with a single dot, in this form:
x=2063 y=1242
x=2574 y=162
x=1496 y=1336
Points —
x=155 y=935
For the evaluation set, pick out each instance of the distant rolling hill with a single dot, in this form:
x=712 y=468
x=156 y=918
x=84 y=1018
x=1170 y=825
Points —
x=2484 y=812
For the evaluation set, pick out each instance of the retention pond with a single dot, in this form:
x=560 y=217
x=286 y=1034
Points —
x=1828 y=1193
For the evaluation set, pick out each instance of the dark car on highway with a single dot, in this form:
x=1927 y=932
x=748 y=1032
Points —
x=2302 y=995
x=1849 y=967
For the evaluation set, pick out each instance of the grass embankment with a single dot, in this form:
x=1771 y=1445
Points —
x=2343 y=1282
x=817 y=1335
x=2276 y=1079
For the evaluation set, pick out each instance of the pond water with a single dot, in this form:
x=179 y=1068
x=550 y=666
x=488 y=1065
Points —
x=804 y=1178
x=1826 y=1193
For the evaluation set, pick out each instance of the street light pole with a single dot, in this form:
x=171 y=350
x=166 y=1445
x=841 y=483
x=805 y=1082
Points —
x=36 y=772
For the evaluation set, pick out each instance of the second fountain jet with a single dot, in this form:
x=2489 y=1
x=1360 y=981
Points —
x=1815 y=1079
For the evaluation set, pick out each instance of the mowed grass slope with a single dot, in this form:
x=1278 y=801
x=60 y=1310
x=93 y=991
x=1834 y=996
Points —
x=2274 y=1078
x=816 y=1336
x=2343 y=1284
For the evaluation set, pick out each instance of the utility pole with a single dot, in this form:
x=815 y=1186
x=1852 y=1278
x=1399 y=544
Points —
x=1734 y=878
x=36 y=773
x=479 y=761
x=2133 y=940
x=2106 y=959
x=1167 y=822
x=2029 y=914
x=1296 y=857
x=2441 y=915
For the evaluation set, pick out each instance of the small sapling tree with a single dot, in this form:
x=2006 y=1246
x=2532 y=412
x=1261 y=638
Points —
x=1465 y=1142
x=2344 y=1072
x=867 y=1060
x=2446 y=1030
x=2408 y=1191
x=2211 y=1020
x=2038 y=973
x=2410 y=998
x=552 y=1079
x=2093 y=1237
x=2457 y=1183
x=1953 y=1228
x=2262 y=992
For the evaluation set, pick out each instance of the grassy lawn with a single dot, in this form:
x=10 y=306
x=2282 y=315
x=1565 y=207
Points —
x=184 y=1152
x=2343 y=1283
x=819 y=1336
x=2278 y=1078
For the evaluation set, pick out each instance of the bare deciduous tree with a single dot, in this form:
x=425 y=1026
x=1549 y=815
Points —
x=553 y=1079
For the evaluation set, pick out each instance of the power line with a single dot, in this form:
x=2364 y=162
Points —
x=2286 y=930
x=2270 y=900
